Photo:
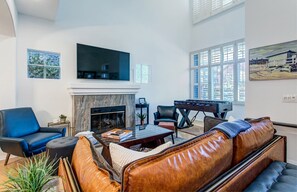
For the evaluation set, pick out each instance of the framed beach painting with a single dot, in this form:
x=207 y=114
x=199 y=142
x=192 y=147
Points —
x=273 y=62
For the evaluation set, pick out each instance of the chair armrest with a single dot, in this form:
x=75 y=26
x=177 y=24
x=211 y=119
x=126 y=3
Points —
x=157 y=115
x=61 y=130
x=176 y=116
x=14 y=146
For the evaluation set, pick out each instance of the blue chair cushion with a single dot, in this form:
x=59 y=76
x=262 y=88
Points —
x=40 y=139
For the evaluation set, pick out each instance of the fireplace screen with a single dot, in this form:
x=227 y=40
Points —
x=105 y=118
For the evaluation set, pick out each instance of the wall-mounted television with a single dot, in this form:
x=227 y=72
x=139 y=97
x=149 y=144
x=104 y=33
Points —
x=100 y=63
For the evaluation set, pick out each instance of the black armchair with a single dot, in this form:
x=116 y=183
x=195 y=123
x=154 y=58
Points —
x=21 y=135
x=166 y=114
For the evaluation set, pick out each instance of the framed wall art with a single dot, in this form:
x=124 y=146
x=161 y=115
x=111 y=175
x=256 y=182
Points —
x=273 y=62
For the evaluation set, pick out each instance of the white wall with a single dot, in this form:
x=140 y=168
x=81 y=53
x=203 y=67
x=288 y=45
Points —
x=7 y=72
x=8 y=24
x=270 y=22
x=219 y=29
x=153 y=33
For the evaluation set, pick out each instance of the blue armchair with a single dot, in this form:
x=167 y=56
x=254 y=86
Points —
x=21 y=135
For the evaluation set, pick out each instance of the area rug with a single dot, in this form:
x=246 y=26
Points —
x=176 y=140
x=194 y=130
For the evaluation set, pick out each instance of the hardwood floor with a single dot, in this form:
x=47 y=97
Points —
x=12 y=163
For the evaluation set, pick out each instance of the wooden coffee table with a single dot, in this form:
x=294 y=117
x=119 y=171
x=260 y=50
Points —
x=147 y=135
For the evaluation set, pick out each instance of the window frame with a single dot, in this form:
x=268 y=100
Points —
x=44 y=65
x=236 y=73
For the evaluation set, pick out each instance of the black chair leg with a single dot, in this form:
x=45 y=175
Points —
x=6 y=159
x=175 y=130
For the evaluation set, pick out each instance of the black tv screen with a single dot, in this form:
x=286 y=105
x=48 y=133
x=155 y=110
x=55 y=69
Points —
x=101 y=63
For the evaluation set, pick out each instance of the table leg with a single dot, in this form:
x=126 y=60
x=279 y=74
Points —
x=185 y=118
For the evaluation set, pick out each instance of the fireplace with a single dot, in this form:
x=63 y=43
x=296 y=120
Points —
x=86 y=96
x=106 y=118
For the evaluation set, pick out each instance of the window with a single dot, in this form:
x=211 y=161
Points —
x=142 y=73
x=219 y=74
x=43 y=64
x=202 y=9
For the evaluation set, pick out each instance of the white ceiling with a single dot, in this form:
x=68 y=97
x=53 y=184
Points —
x=45 y=9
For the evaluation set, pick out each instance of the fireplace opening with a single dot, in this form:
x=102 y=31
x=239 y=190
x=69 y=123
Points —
x=106 y=118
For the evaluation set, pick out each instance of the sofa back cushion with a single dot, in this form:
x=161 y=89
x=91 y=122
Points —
x=90 y=177
x=248 y=141
x=185 y=167
x=18 y=122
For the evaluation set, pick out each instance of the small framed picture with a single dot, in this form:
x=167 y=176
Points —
x=142 y=100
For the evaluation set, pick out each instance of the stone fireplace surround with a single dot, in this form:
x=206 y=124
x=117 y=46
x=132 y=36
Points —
x=89 y=95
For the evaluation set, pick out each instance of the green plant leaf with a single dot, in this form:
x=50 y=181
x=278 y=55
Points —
x=32 y=176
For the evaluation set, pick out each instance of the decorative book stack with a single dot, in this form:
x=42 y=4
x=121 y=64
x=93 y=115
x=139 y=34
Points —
x=118 y=134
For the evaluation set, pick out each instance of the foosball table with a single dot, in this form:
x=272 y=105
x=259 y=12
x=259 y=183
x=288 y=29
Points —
x=218 y=108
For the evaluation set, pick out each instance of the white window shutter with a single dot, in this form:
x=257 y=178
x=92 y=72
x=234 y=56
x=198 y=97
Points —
x=202 y=9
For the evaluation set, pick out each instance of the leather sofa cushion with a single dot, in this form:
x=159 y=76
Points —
x=40 y=139
x=90 y=177
x=246 y=142
x=166 y=112
x=278 y=176
x=184 y=167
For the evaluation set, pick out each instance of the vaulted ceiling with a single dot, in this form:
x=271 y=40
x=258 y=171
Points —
x=45 y=9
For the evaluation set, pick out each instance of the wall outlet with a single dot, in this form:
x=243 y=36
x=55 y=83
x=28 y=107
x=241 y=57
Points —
x=292 y=98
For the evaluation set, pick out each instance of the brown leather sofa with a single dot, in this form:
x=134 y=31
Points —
x=210 y=162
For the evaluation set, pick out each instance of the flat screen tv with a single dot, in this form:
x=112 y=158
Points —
x=101 y=63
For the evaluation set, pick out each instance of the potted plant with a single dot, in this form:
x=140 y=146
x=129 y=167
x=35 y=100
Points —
x=34 y=175
x=63 y=118
x=141 y=117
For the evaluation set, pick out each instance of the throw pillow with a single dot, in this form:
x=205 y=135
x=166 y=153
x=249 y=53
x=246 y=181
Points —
x=122 y=156
x=89 y=135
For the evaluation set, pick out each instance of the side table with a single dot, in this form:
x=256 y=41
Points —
x=144 y=106
x=62 y=124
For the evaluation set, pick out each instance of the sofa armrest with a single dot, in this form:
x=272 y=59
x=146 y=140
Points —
x=61 y=130
x=14 y=146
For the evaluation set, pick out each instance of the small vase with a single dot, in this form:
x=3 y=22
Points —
x=142 y=122
x=62 y=120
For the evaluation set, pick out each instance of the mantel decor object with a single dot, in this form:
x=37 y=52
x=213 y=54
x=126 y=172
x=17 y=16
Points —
x=62 y=118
